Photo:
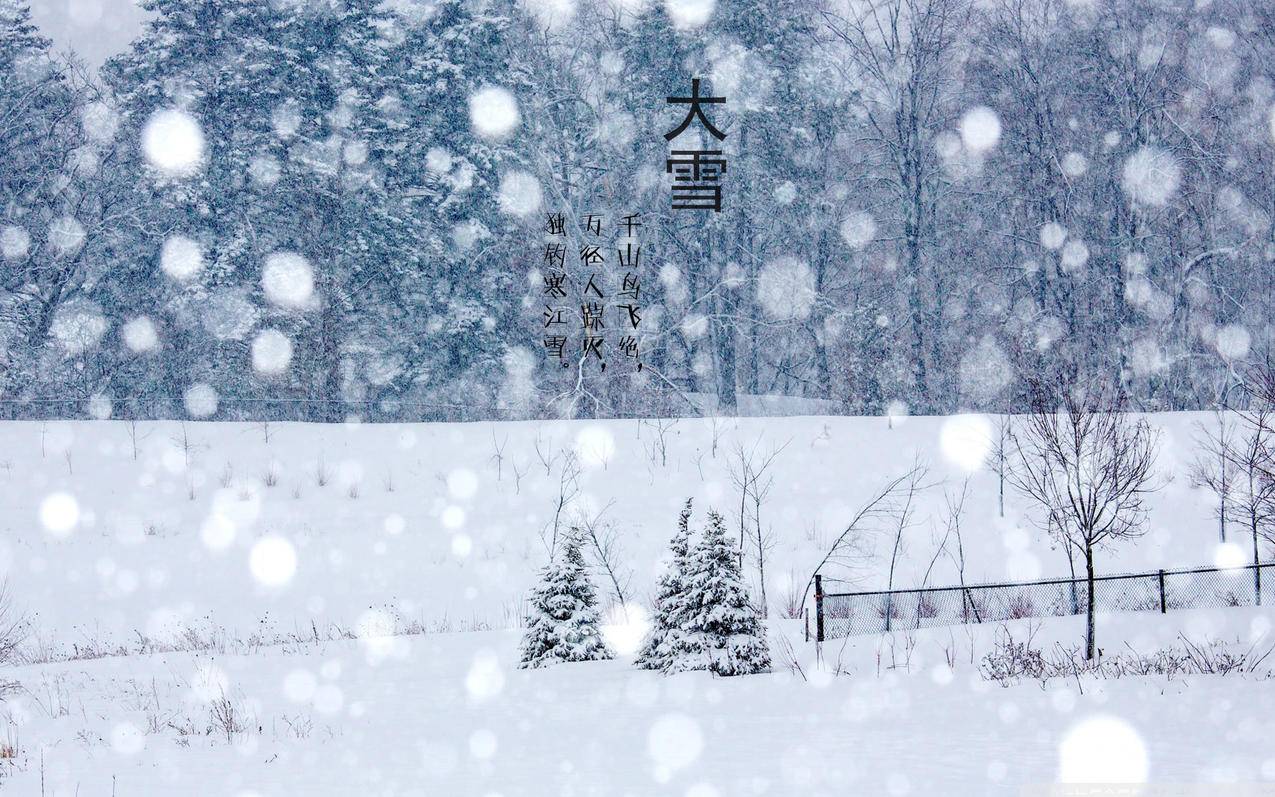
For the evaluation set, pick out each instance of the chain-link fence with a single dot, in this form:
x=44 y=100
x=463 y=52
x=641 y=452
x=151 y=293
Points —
x=840 y=614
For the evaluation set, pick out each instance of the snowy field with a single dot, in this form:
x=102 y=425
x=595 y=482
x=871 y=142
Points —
x=223 y=551
x=448 y=714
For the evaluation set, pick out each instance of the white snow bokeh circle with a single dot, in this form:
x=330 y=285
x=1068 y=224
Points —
x=485 y=678
x=966 y=440
x=595 y=445
x=858 y=229
x=674 y=742
x=66 y=235
x=271 y=352
x=624 y=628
x=689 y=14
x=173 y=143
x=519 y=194
x=1233 y=342
x=200 y=400
x=140 y=335
x=551 y=14
x=288 y=280
x=78 y=326
x=1102 y=749
x=59 y=514
x=1052 y=235
x=1151 y=176
x=1229 y=556
x=181 y=258
x=15 y=242
x=493 y=112
x=980 y=129
x=786 y=289
x=273 y=561
x=462 y=484
x=100 y=406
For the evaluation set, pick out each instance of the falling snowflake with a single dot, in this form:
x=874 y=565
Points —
x=1074 y=164
x=99 y=406
x=264 y=171
x=519 y=194
x=688 y=14
x=99 y=121
x=15 y=242
x=674 y=742
x=181 y=258
x=1102 y=749
x=59 y=514
x=1074 y=254
x=980 y=129
x=595 y=446
x=288 y=280
x=985 y=370
x=78 y=326
x=271 y=352
x=966 y=440
x=272 y=561
x=66 y=235
x=1151 y=176
x=858 y=229
x=493 y=112
x=1052 y=235
x=173 y=143
x=786 y=289
x=200 y=400
x=228 y=314
x=552 y=14
x=1233 y=342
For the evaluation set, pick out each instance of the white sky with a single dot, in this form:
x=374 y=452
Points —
x=96 y=29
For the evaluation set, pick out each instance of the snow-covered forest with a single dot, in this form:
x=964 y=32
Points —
x=322 y=210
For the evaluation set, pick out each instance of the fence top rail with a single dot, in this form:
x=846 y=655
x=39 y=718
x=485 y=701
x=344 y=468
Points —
x=1046 y=581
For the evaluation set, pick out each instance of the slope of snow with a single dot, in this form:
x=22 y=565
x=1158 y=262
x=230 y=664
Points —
x=448 y=714
x=443 y=525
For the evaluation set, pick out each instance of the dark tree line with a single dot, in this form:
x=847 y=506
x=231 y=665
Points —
x=932 y=203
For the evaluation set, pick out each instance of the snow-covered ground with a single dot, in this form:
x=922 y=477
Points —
x=213 y=538
x=442 y=524
x=449 y=714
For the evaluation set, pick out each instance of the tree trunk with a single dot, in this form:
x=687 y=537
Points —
x=1089 y=611
x=1257 y=570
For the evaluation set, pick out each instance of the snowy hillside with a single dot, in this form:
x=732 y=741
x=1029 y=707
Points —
x=233 y=525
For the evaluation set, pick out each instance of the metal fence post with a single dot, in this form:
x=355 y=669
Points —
x=818 y=608
x=1163 y=605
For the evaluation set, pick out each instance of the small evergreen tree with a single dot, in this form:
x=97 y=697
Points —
x=723 y=630
x=666 y=640
x=563 y=623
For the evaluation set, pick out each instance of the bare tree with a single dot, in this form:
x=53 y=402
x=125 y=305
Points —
x=1089 y=466
x=905 y=57
x=750 y=475
x=1000 y=459
x=568 y=491
x=604 y=540
x=1253 y=457
x=1215 y=467
x=852 y=546
x=903 y=521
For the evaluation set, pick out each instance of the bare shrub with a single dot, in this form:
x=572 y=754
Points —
x=226 y=717
x=1021 y=606
x=1010 y=659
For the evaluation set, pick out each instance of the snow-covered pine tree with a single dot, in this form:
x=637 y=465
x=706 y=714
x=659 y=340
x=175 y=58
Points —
x=664 y=643
x=724 y=633
x=563 y=623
